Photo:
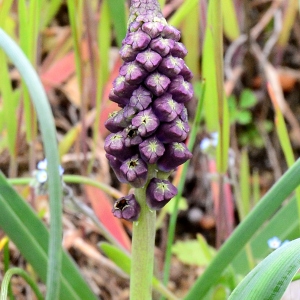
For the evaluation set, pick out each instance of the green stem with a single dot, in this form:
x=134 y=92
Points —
x=143 y=237
x=74 y=179
x=22 y=273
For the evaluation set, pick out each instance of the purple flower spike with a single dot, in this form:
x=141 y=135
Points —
x=170 y=32
x=166 y=109
x=132 y=137
x=139 y=40
x=151 y=150
x=175 y=131
x=151 y=88
x=127 y=53
x=162 y=46
x=159 y=193
x=140 y=99
x=157 y=83
x=175 y=155
x=171 y=66
x=149 y=60
x=181 y=90
x=179 y=50
x=132 y=72
x=146 y=122
x=127 y=208
x=111 y=123
x=122 y=88
x=115 y=145
x=135 y=171
x=115 y=165
x=153 y=28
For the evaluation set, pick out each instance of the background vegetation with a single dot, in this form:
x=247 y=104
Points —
x=245 y=135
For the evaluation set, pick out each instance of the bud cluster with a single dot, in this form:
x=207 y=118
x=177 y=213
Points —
x=151 y=90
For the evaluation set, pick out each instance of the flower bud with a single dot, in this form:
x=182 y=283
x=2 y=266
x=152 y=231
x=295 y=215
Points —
x=149 y=60
x=133 y=73
x=175 y=131
x=151 y=150
x=146 y=122
x=181 y=90
x=157 y=83
x=115 y=165
x=175 y=155
x=140 y=99
x=159 y=192
x=115 y=145
x=135 y=171
x=127 y=208
x=166 y=109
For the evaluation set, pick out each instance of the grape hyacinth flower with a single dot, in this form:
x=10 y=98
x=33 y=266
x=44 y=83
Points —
x=127 y=208
x=151 y=90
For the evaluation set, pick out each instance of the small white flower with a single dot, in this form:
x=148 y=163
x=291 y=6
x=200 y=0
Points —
x=41 y=172
x=41 y=176
x=209 y=142
x=274 y=242
x=42 y=165
x=284 y=243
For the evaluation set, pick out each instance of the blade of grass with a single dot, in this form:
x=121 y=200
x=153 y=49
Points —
x=231 y=27
x=264 y=210
x=209 y=71
x=183 y=11
x=244 y=200
x=52 y=7
x=48 y=132
x=270 y=278
x=283 y=136
x=118 y=16
x=288 y=22
x=6 y=259
x=190 y=36
x=17 y=271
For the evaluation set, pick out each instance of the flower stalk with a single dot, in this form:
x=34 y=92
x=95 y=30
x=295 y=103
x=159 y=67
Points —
x=143 y=237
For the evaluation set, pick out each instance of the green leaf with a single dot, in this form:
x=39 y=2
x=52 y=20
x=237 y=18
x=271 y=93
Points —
x=118 y=17
x=31 y=237
x=190 y=252
x=121 y=259
x=244 y=117
x=270 y=278
x=231 y=27
x=247 y=99
x=182 y=205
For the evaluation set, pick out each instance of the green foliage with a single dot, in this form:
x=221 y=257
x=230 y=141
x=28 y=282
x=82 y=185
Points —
x=193 y=252
x=270 y=278
x=31 y=237
x=239 y=111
